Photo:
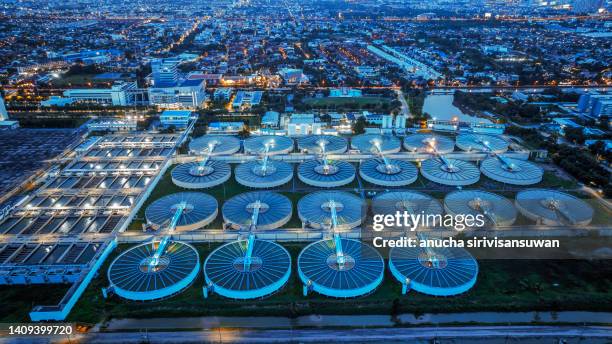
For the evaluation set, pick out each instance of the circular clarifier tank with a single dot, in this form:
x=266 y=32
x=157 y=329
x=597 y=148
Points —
x=429 y=143
x=553 y=208
x=497 y=210
x=389 y=172
x=214 y=145
x=195 y=175
x=134 y=275
x=326 y=174
x=268 y=271
x=438 y=272
x=257 y=174
x=315 y=209
x=450 y=171
x=199 y=210
x=273 y=145
x=360 y=274
x=274 y=210
x=511 y=171
x=482 y=143
x=318 y=144
x=374 y=143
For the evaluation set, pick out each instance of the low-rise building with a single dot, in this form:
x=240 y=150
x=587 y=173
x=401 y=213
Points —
x=120 y=94
x=223 y=93
x=112 y=124
x=225 y=127
x=345 y=92
x=177 y=118
x=246 y=99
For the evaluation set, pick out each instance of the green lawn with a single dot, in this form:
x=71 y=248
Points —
x=16 y=302
x=77 y=79
x=551 y=180
x=503 y=285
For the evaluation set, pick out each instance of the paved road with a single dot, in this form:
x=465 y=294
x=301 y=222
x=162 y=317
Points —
x=402 y=99
x=319 y=336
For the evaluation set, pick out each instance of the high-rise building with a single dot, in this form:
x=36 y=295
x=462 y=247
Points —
x=595 y=104
x=602 y=108
x=165 y=72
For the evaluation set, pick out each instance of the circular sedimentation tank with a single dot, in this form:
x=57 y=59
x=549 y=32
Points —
x=425 y=143
x=315 y=211
x=482 y=143
x=392 y=173
x=318 y=143
x=511 y=171
x=273 y=144
x=361 y=273
x=450 y=171
x=332 y=174
x=255 y=174
x=411 y=202
x=553 y=208
x=275 y=210
x=195 y=175
x=370 y=143
x=497 y=210
x=134 y=276
x=200 y=209
x=439 y=272
x=268 y=271
x=214 y=145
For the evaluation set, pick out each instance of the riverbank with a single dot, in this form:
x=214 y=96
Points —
x=357 y=321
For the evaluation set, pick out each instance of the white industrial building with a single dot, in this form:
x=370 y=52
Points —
x=301 y=124
x=120 y=94
x=189 y=94
x=113 y=124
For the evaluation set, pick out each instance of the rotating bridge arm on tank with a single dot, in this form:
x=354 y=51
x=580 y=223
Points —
x=485 y=210
x=264 y=164
x=164 y=241
x=209 y=152
x=431 y=142
x=340 y=259
x=485 y=144
x=506 y=163
x=324 y=156
x=430 y=252
x=251 y=238
x=379 y=152
x=449 y=165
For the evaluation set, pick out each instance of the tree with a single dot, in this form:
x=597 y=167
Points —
x=359 y=126
x=325 y=118
x=245 y=132
x=574 y=135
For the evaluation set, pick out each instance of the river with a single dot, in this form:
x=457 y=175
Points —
x=440 y=106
